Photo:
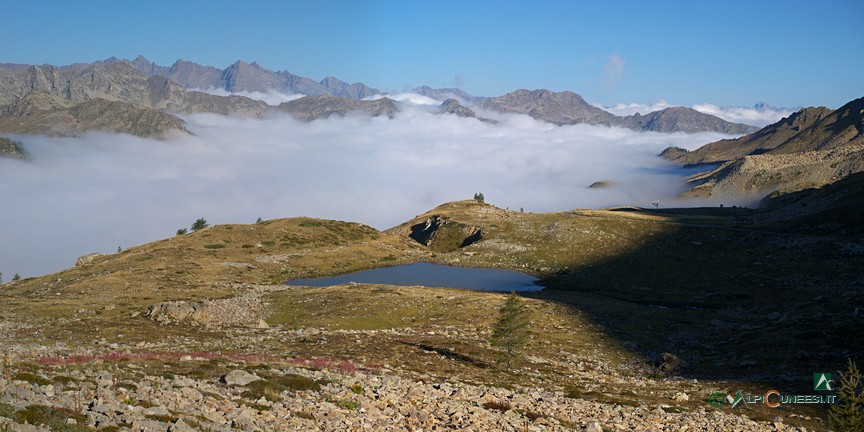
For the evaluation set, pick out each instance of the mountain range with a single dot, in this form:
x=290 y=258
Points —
x=37 y=99
x=809 y=149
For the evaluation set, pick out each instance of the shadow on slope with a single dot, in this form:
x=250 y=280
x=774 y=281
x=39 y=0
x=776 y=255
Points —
x=731 y=303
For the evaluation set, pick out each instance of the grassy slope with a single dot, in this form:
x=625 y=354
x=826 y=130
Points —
x=623 y=286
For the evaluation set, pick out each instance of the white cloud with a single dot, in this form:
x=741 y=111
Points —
x=271 y=97
x=613 y=69
x=92 y=194
x=410 y=98
x=622 y=109
x=761 y=116
x=747 y=115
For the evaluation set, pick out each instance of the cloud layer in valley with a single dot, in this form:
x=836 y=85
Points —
x=101 y=191
x=270 y=97
x=758 y=115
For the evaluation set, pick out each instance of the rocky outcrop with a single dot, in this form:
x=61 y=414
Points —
x=672 y=153
x=86 y=259
x=443 y=235
x=12 y=149
x=452 y=106
x=177 y=311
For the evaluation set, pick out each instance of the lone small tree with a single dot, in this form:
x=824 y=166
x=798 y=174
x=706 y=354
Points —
x=511 y=330
x=199 y=224
x=16 y=278
x=479 y=197
x=848 y=413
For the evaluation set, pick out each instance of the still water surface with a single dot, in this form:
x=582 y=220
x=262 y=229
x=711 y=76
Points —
x=433 y=275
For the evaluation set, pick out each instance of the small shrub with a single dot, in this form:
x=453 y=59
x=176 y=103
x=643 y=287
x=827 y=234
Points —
x=347 y=404
x=532 y=415
x=847 y=414
x=199 y=224
x=357 y=389
x=214 y=246
x=494 y=405
x=182 y=231
x=268 y=243
x=310 y=224
x=6 y=410
x=510 y=332
x=272 y=388
x=304 y=415
x=54 y=418
x=162 y=418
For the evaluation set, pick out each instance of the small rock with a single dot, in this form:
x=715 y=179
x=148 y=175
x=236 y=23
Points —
x=680 y=397
x=238 y=378
x=593 y=427
x=262 y=324
x=71 y=421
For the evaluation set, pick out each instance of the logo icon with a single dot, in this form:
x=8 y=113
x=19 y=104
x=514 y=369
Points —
x=822 y=381
x=738 y=398
x=716 y=399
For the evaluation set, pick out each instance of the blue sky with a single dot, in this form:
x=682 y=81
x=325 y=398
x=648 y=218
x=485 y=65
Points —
x=786 y=53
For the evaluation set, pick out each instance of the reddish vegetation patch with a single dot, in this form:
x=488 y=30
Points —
x=147 y=355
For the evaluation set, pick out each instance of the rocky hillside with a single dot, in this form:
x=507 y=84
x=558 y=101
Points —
x=560 y=108
x=760 y=175
x=569 y=108
x=96 y=114
x=112 y=97
x=683 y=119
x=805 y=130
x=810 y=148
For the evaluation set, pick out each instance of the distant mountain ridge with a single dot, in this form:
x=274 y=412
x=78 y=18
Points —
x=554 y=107
x=248 y=77
x=174 y=90
x=567 y=108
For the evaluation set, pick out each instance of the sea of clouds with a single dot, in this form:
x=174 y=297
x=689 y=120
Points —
x=757 y=115
x=100 y=191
